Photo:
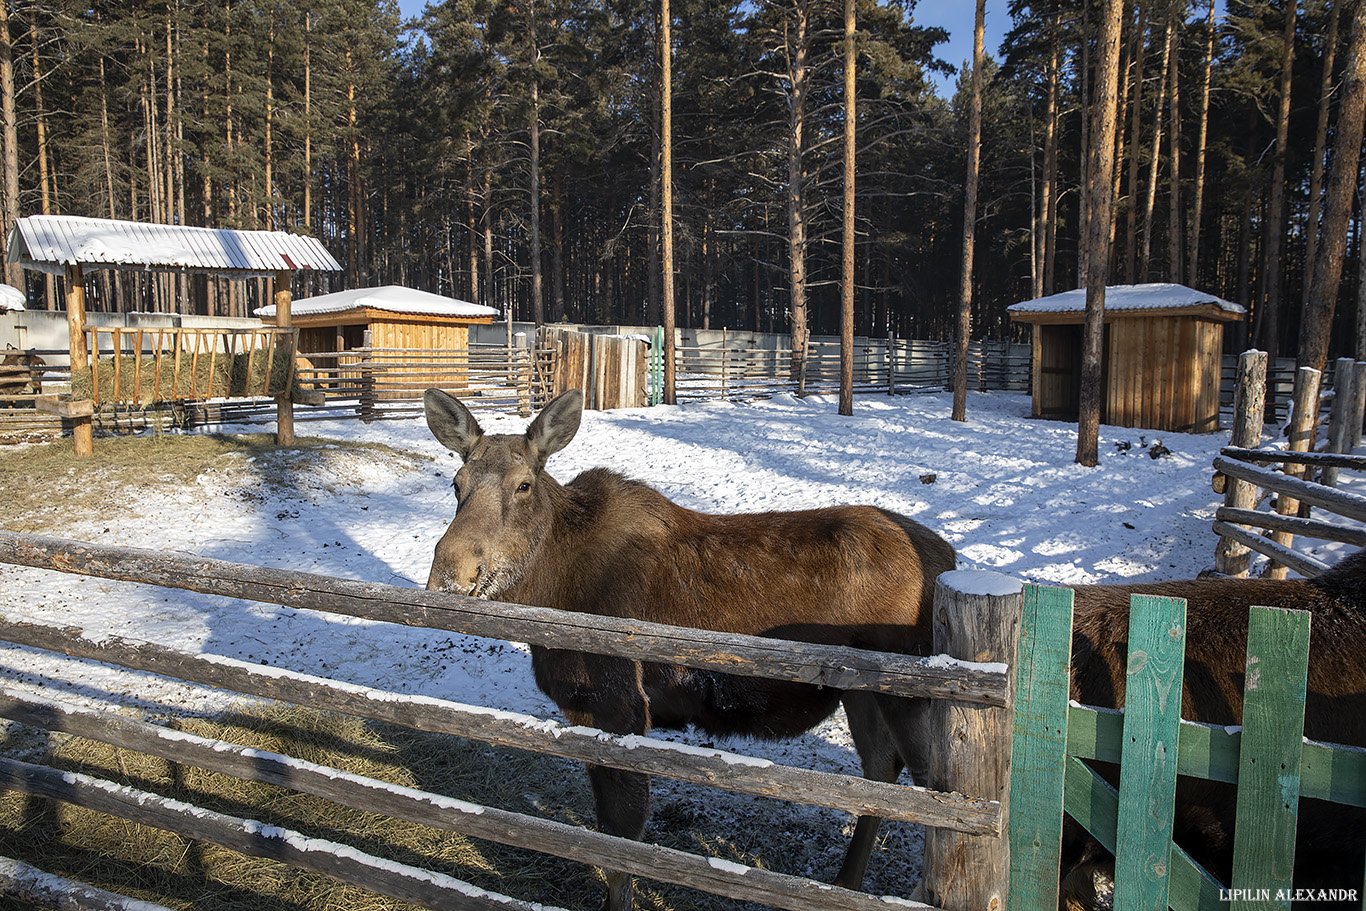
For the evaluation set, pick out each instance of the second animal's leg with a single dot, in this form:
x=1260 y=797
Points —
x=622 y=802
x=881 y=762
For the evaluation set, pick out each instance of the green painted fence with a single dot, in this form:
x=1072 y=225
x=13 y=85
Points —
x=1268 y=759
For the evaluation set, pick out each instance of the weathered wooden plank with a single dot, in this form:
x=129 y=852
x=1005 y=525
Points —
x=1249 y=398
x=976 y=617
x=1039 y=750
x=1300 y=563
x=1147 y=789
x=1269 y=767
x=1350 y=505
x=841 y=668
x=340 y=862
x=1310 y=528
x=24 y=881
x=1094 y=804
x=1328 y=771
x=509 y=729
x=519 y=830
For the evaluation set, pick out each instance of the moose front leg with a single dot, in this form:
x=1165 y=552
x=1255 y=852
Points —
x=605 y=693
x=622 y=802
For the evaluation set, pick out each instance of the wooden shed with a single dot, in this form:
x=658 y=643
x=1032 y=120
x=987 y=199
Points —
x=1162 y=355
x=401 y=322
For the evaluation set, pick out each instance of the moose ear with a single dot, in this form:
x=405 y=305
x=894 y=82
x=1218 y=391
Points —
x=556 y=425
x=451 y=422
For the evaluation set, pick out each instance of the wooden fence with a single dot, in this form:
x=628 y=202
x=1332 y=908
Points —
x=1267 y=758
x=1008 y=737
x=1308 y=477
x=976 y=820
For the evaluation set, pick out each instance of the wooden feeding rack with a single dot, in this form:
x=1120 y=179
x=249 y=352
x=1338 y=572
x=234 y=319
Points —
x=178 y=364
x=66 y=245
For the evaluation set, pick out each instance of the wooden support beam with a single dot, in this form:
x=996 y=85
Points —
x=82 y=429
x=284 y=405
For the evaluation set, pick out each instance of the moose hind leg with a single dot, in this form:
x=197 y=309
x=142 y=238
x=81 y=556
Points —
x=622 y=802
x=881 y=762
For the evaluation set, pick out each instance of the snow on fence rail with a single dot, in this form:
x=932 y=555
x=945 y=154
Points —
x=963 y=817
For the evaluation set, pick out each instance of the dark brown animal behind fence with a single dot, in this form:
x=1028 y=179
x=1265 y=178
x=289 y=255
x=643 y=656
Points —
x=21 y=372
x=1331 y=838
x=847 y=575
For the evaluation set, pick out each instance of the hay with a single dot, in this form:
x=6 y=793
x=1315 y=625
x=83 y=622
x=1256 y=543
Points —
x=148 y=379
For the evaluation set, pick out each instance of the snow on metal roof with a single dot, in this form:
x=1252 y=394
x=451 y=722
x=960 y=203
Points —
x=49 y=243
x=11 y=298
x=1154 y=296
x=390 y=298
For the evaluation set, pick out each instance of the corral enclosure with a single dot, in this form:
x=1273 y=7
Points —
x=1005 y=492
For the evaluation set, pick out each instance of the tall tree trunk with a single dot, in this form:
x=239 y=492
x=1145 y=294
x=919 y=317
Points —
x=1275 y=221
x=308 y=122
x=40 y=119
x=268 y=139
x=1145 y=258
x=534 y=203
x=666 y=196
x=1100 y=200
x=798 y=80
x=1198 y=193
x=1135 y=137
x=963 y=326
x=846 y=406
x=14 y=273
x=1317 y=324
x=1174 y=257
x=1050 y=158
x=1084 y=153
x=1311 y=231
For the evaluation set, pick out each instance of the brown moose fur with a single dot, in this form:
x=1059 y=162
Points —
x=847 y=575
x=17 y=362
x=1331 y=837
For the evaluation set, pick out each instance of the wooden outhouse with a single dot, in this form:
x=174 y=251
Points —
x=1162 y=355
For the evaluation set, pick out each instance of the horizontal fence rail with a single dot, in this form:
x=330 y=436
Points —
x=830 y=666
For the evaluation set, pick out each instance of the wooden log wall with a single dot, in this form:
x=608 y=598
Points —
x=611 y=370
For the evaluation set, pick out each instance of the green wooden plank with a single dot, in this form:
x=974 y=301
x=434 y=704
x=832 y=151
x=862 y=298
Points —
x=1147 y=776
x=1328 y=771
x=1039 y=749
x=1269 y=767
x=1093 y=803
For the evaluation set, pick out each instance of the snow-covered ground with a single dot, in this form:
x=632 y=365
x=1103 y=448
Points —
x=1003 y=488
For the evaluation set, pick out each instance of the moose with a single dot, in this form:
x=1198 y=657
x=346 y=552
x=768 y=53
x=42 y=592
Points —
x=1331 y=838
x=21 y=372
x=844 y=575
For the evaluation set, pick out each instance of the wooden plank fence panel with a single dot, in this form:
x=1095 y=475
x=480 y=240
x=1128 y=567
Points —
x=1269 y=767
x=1039 y=750
x=1147 y=792
x=1094 y=803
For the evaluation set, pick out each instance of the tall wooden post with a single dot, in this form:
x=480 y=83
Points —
x=82 y=431
x=976 y=618
x=284 y=405
x=1249 y=407
x=1304 y=425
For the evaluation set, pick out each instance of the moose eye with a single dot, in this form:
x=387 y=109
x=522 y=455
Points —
x=524 y=487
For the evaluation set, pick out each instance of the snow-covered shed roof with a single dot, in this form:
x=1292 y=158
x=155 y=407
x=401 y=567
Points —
x=1162 y=298
x=11 y=298
x=388 y=298
x=50 y=243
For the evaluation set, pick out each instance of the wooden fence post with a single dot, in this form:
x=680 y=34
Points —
x=1358 y=405
x=284 y=403
x=82 y=430
x=1249 y=406
x=1344 y=397
x=367 y=379
x=1304 y=420
x=976 y=618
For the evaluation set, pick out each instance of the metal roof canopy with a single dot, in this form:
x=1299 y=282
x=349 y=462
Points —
x=51 y=243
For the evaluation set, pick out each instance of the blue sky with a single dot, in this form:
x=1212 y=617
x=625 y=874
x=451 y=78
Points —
x=954 y=15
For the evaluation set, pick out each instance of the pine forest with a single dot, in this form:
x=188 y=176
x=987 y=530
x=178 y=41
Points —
x=509 y=152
